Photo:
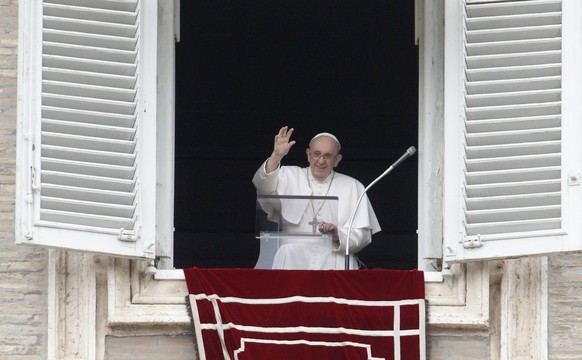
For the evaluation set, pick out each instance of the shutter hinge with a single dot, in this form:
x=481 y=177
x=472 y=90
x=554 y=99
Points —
x=472 y=242
x=127 y=235
x=33 y=184
x=29 y=200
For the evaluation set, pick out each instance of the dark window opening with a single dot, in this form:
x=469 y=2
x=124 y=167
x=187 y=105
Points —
x=244 y=69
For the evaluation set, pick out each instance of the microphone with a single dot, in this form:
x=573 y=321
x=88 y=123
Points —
x=409 y=152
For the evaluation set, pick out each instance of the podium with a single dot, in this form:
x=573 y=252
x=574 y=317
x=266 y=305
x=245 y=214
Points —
x=286 y=219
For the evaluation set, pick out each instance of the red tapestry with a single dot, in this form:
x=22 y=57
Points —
x=295 y=314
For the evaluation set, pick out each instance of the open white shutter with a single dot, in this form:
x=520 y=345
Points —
x=508 y=132
x=87 y=180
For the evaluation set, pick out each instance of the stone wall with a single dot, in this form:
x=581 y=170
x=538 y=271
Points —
x=150 y=347
x=23 y=281
x=565 y=307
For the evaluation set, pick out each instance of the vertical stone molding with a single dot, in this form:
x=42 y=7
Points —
x=72 y=306
x=524 y=309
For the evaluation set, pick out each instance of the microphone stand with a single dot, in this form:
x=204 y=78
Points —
x=409 y=152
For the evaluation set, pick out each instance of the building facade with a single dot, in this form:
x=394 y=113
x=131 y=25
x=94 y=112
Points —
x=499 y=85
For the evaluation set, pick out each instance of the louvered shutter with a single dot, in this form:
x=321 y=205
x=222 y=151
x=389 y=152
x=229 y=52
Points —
x=509 y=133
x=88 y=178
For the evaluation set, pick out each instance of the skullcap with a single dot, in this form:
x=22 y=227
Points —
x=339 y=146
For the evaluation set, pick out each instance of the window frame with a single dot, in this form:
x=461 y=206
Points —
x=168 y=35
x=429 y=15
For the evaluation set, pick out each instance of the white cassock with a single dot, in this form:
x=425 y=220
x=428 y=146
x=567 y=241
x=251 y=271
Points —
x=322 y=254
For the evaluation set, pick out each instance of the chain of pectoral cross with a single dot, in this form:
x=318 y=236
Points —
x=315 y=222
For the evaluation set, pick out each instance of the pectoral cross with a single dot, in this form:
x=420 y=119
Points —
x=314 y=224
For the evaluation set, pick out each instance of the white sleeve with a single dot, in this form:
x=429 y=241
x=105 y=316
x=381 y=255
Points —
x=359 y=239
x=266 y=183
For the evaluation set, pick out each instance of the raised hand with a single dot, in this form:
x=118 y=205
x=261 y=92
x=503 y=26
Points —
x=281 y=147
x=282 y=142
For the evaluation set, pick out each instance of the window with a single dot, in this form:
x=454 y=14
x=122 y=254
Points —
x=89 y=176
x=245 y=69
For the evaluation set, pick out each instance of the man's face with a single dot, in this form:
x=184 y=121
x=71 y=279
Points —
x=323 y=156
